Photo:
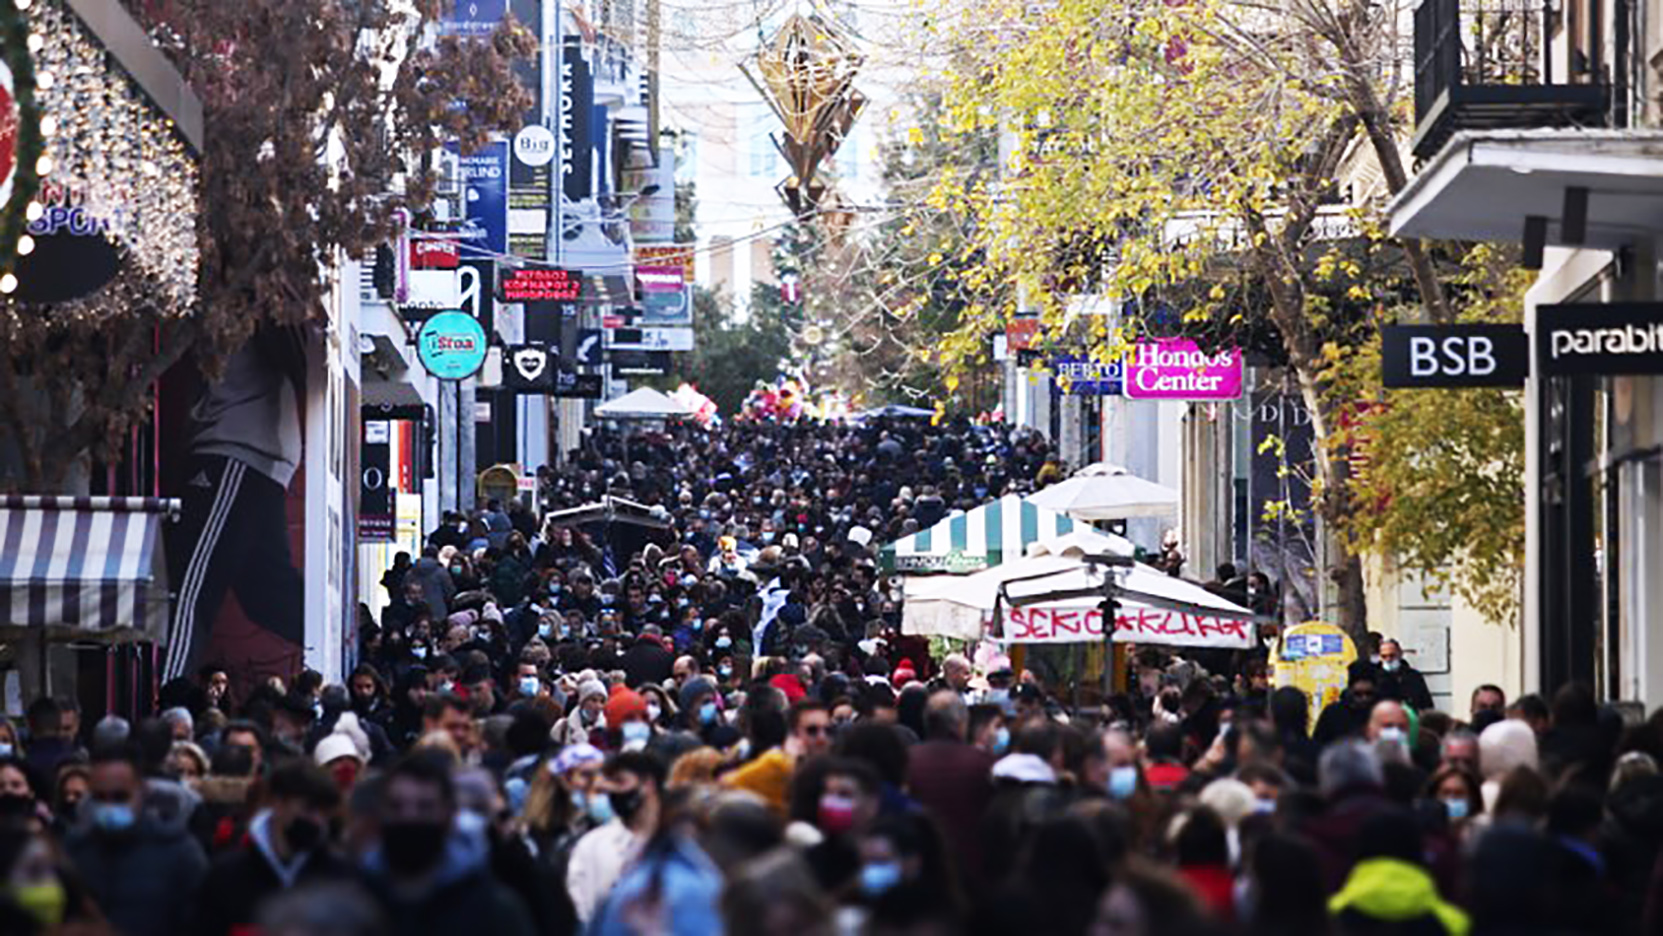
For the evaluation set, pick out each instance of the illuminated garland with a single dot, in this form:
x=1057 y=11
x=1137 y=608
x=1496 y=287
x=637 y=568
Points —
x=28 y=142
x=104 y=147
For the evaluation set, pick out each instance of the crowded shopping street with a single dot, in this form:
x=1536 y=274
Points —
x=831 y=468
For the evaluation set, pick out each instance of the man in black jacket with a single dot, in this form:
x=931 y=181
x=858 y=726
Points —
x=287 y=847
x=1399 y=680
x=647 y=661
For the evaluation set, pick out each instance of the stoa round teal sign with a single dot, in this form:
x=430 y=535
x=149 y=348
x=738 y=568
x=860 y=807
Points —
x=451 y=345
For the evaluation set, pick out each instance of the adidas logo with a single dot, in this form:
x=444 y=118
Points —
x=201 y=480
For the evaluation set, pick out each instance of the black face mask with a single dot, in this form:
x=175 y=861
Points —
x=303 y=834
x=626 y=804
x=13 y=806
x=412 y=847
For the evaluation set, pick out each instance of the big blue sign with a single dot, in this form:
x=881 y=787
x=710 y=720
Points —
x=485 y=198
x=473 y=18
x=1088 y=376
x=451 y=345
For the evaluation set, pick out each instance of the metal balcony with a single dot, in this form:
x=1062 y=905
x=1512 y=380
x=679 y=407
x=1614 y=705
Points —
x=1481 y=65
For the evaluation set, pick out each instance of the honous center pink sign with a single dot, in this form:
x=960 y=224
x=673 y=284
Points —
x=1176 y=369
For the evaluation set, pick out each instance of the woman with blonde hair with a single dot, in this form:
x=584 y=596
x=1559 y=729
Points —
x=562 y=804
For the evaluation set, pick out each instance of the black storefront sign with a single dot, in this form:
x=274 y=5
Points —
x=375 y=494
x=475 y=283
x=577 y=105
x=1611 y=339
x=638 y=363
x=1454 y=356
x=529 y=368
x=577 y=386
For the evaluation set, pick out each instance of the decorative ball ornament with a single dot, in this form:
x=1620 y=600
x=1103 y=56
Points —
x=22 y=144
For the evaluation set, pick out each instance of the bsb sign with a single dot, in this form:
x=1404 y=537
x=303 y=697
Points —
x=1454 y=356
x=1616 y=338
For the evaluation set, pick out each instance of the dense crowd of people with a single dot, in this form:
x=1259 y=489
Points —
x=702 y=717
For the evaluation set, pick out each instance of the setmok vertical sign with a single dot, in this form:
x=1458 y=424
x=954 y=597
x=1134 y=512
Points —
x=1414 y=356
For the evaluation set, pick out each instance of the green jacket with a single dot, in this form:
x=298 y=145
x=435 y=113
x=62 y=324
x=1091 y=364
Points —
x=1396 y=892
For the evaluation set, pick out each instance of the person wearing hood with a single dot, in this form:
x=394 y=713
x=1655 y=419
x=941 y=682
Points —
x=287 y=847
x=1389 y=889
x=437 y=588
x=429 y=874
x=142 y=870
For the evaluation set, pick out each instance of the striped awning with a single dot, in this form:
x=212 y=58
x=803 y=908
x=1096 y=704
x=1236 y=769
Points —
x=84 y=567
x=975 y=539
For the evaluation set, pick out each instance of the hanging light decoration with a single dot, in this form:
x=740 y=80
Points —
x=806 y=73
x=21 y=142
x=117 y=194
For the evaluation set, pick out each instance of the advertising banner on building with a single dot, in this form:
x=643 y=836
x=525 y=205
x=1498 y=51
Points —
x=1602 y=339
x=577 y=105
x=1041 y=624
x=652 y=219
x=476 y=295
x=472 y=19
x=485 y=199
x=665 y=300
x=1413 y=356
x=1177 y=369
x=667 y=255
x=651 y=339
x=1084 y=375
x=375 y=493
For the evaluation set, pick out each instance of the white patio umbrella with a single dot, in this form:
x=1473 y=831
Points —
x=1052 y=597
x=1107 y=492
x=645 y=403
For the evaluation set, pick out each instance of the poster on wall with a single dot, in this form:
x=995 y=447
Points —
x=1281 y=525
x=485 y=200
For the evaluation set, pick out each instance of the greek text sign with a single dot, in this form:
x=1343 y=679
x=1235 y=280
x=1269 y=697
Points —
x=1135 y=624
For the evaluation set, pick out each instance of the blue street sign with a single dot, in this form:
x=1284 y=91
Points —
x=485 y=199
x=1086 y=376
x=472 y=18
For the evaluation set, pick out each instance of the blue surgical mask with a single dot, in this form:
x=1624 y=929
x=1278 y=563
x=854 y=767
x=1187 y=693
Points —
x=545 y=629
x=419 y=651
x=1123 y=782
x=636 y=733
x=1391 y=666
x=599 y=808
x=530 y=685
x=5 y=750
x=879 y=877
x=707 y=713
x=1457 y=807
x=723 y=642
x=1001 y=741
x=1392 y=735
x=114 y=817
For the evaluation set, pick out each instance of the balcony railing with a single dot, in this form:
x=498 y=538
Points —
x=1482 y=65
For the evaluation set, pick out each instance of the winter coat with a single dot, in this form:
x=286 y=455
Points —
x=677 y=882
x=240 y=881
x=647 y=662
x=1388 y=891
x=437 y=587
x=145 y=880
x=461 y=896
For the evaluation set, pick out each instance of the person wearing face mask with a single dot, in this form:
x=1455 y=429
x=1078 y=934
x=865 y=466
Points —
x=142 y=870
x=35 y=880
x=627 y=726
x=585 y=719
x=1399 y=680
x=632 y=782
x=287 y=847
x=429 y=875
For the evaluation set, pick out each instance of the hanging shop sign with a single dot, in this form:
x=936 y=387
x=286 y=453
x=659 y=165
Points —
x=530 y=192
x=1020 y=334
x=476 y=294
x=1084 y=375
x=651 y=339
x=472 y=18
x=639 y=363
x=485 y=198
x=541 y=284
x=577 y=105
x=1039 y=624
x=434 y=253
x=529 y=369
x=665 y=300
x=1454 y=356
x=1177 y=369
x=376 y=487
x=667 y=255
x=1615 y=339
x=577 y=386
x=451 y=345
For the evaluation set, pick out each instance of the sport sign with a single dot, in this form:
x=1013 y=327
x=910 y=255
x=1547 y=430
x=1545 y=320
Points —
x=451 y=345
x=1177 y=369
x=1134 y=624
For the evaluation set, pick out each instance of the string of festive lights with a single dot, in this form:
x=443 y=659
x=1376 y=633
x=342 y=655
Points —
x=114 y=157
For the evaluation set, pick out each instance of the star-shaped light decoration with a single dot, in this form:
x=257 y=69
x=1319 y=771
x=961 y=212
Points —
x=806 y=73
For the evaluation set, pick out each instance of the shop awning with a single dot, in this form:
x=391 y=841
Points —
x=978 y=539
x=83 y=568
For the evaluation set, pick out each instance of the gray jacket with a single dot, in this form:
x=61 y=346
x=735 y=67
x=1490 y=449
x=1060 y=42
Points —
x=144 y=880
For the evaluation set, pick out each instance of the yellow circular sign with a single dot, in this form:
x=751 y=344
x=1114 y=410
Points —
x=1314 y=657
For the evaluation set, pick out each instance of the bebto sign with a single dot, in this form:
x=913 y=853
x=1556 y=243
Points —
x=1454 y=356
x=1614 y=339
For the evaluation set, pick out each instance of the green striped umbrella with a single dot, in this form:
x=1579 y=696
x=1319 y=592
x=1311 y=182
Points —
x=977 y=539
